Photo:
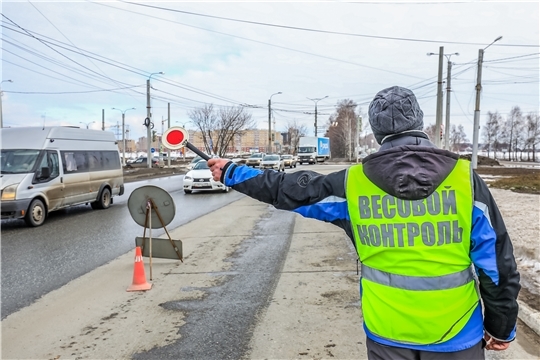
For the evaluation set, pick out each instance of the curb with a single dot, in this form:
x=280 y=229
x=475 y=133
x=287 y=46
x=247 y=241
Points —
x=529 y=316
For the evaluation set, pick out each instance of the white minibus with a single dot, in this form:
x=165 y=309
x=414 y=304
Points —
x=44 y=169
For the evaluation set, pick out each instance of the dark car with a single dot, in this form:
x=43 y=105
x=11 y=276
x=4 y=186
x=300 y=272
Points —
x=142 y=163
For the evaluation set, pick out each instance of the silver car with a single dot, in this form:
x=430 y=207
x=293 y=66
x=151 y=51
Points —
x=255 y=159
x=273 y=162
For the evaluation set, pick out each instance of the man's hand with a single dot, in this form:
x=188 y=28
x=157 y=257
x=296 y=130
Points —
x=496 y=345
x=216 y=167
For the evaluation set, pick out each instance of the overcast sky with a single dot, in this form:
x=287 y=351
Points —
x=70 y=60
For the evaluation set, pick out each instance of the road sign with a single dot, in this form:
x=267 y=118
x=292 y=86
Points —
x=152 y=150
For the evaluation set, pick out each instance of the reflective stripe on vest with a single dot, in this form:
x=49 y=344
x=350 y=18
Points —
x=417 y=284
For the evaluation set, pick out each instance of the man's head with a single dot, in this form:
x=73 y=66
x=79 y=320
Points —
x=394 y=110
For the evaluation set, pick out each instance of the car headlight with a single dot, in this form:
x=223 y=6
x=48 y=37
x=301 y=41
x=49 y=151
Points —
x=9 y=192
x=188 y=178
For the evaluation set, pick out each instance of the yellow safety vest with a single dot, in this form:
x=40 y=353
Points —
x=417 y=281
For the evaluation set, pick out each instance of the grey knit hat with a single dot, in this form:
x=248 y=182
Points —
x=393 y=111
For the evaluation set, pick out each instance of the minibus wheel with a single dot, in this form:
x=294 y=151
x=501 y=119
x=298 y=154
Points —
x=36 y=214
x=104 y=200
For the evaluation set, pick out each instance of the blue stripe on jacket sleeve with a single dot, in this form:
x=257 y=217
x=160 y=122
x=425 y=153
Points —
x=483 y=239
x=329 y=209
x=240 y=174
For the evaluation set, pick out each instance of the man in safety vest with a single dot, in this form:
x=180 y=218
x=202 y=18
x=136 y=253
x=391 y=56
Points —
x=428 y=234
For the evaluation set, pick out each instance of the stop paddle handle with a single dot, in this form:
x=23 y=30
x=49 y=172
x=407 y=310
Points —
x=192 y=147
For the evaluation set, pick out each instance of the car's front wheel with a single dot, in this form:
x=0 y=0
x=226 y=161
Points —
x=36 y=213
x=187 y=191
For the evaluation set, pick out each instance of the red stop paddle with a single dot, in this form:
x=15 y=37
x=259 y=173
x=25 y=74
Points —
x=176 y=138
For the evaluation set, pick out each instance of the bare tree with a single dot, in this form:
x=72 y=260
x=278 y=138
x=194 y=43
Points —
x=491 y=131
x=219 y=128
x=431 y=132
x=458 y=137
x=513 y=118
x=295 y=130
x=343 y=128
x=533 y=134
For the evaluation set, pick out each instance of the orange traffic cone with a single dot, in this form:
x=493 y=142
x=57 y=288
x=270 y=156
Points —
x=139 y=277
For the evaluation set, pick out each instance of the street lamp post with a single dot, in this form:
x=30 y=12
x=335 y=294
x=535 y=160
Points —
x=2 y=94
x=476 y=128
x=148 y=121
x=87 y=124
x=448 y=90
x=269 y=150
x=123 y=134
x=316 y=101
x=438 y=115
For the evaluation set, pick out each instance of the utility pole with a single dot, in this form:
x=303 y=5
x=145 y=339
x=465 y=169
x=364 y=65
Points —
x=476 y=125
x=1 y=113
x=168 y=126
x=438 y=119
x=357 y=140
x=269 y=149
x=102 y=120
x=316 y=101
x=148 y=122
x=448 y=90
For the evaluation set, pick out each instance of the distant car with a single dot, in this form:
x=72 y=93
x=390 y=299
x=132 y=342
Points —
x=255 y=159
x=200 y=179
x=288 y=160
x=142 y=163
x=193 y=162
x=272 y=162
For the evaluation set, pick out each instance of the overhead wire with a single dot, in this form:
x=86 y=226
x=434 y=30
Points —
x=317 y=30
x=261 y=42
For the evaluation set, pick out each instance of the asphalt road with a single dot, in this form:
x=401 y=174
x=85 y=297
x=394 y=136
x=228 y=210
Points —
x=77 y=240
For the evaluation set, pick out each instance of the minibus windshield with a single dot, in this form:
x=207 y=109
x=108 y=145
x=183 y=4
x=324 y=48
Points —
x=18 y=161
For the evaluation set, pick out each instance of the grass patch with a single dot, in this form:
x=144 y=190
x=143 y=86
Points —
x=524 y=183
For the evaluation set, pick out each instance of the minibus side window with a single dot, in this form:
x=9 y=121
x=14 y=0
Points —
x=94 y=161
x=111 y=160
x=74 y=161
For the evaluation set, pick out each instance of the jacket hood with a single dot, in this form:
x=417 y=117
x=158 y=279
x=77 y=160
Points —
x=409 y=172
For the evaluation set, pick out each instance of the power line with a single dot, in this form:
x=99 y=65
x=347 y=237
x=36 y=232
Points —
x=315 y=30
x=262 y=42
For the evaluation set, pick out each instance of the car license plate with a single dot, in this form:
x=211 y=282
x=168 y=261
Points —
x=201 y=184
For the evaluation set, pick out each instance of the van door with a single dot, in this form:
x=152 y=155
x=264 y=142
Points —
x=76 y=177
x=49 y=182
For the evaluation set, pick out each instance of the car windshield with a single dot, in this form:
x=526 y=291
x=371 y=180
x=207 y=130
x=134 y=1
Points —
x=286 y=157
x=201 y=165
x=271 y=158
x=256 y=156
x=19 y=161
x=306 y=149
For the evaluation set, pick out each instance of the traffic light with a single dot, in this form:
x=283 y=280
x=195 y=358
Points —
x=154 y=132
